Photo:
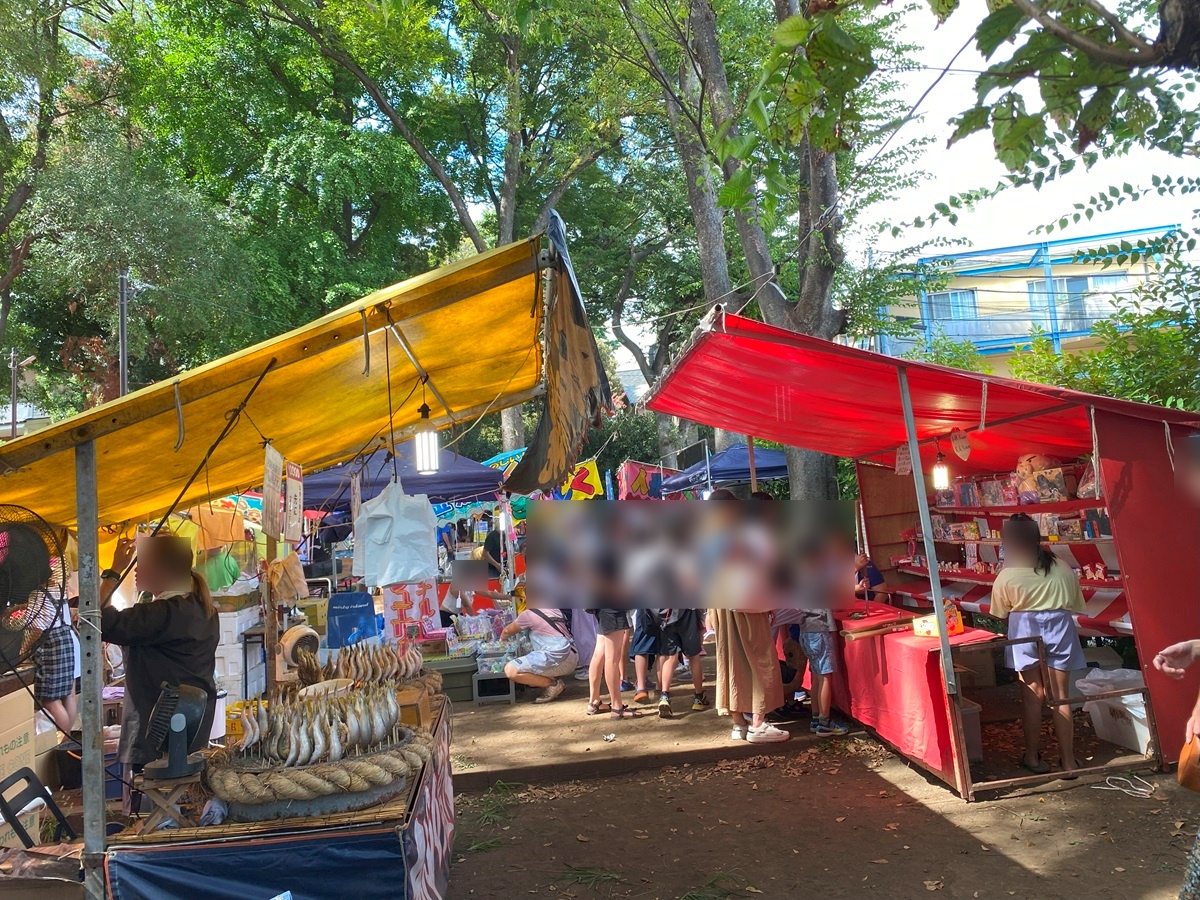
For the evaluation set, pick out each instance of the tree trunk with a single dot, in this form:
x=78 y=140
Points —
x=512 y=428
x=668 y=443
x=723 y=440
x=1179 y=33
x=811 y=475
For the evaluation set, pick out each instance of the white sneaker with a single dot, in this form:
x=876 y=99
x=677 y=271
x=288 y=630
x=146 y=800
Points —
x=738 y=733
x=551 y=693
x=581 y=674
x=710 y=637
x=766 y=734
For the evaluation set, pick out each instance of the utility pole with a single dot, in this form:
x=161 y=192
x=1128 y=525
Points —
x=122 y=328
x=12 y=364
x=16 y=368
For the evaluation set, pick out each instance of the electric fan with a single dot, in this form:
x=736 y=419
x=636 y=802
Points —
x=33 y=579
x=295 y=639
x=175 y=727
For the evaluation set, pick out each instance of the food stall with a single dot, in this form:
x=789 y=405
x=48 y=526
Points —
x=371 y=371
x=745 y=376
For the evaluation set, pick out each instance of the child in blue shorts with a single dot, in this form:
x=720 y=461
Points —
x=816 y=640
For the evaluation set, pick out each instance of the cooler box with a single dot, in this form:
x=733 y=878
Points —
x=1119 y=720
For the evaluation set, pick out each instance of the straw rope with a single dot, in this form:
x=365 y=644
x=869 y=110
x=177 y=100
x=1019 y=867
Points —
x=349 y=776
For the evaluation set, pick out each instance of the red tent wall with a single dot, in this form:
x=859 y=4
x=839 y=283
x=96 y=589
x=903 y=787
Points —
x=1157 y=535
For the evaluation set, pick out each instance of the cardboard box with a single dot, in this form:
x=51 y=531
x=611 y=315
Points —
x=926 y=626
x=16 y=709
x=17 y=748
x=414 y=707
x=31 y=821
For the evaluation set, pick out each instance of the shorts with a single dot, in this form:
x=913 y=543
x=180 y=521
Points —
x=1056 y=628
x=683 y=636
x=610 y=621
x=551 y=665
x=54 y=658
x=643 y=643
x=818 y=649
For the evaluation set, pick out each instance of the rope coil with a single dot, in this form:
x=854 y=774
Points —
x=349 y=776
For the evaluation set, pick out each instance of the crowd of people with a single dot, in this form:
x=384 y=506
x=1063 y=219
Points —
x=638 y=603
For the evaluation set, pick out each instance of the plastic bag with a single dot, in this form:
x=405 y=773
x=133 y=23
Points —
x=1089 y=485
x=395 y=539
x=1098 y=681
x=286 y=578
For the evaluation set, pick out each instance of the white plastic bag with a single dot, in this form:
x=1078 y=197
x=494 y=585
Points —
x=395 y=540
x=1097 y=681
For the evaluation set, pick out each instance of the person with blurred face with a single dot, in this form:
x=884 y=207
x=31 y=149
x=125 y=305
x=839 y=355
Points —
x=173 y=638
x=1039 y=595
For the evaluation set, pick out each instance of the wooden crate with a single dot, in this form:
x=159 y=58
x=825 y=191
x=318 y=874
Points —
x=414 y=707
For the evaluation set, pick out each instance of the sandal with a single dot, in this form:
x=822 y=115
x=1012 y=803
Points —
x=1040 y=768
x=595 y=707
x=624 y=713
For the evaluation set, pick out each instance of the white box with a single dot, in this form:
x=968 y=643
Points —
x=1121 y=721
x=232 y=685
x=233 y=624
x=229 y=660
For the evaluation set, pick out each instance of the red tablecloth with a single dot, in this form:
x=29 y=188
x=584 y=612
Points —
x=894 y=685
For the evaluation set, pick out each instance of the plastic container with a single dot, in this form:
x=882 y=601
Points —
x=972 y=731
x=1118 y=720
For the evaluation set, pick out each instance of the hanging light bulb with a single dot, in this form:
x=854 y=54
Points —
x=426 y=444
x=941 y=473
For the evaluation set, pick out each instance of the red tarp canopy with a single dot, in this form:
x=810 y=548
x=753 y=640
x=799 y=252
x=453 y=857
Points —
x=756 y=379
x=768 y=382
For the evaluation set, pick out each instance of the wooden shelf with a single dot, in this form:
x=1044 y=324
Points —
x=1052 y=544
x=983 y=578
x=1031 y=508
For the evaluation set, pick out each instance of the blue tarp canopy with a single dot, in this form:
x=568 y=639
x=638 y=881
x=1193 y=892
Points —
x=730 y=466
x=457 y=478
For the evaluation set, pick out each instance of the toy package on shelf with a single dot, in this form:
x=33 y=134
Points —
x=944 y=498
x=964 y=531
x=474 y=627
x=458 y=646
x=966 y=493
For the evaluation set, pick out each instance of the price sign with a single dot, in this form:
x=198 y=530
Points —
x=903 y=461
x=293 y=522
x=355 y=496
x=961 y=443
x=272 y=514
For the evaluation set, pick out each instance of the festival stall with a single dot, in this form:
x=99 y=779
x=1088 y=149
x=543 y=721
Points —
x=736 y=464
x=641 y=481
x=1129 y=536
x=302 y=817
x=456 y=480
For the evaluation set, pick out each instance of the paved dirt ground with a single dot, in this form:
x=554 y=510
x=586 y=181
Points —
x=673 y=809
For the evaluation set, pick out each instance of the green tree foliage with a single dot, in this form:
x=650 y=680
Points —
x=1149 y=348
x=946 y=351
x=98 y=212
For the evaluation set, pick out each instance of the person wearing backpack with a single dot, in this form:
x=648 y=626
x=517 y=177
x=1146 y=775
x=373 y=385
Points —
x=552 y=657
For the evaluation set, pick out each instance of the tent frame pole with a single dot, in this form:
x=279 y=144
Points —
x=750 y=453
x=91 y=658
x=935 y=581
x=412 y=358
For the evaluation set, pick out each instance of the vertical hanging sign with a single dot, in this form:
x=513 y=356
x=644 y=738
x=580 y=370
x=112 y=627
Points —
x=272 y=493
x=355 y=496
x=293 y=523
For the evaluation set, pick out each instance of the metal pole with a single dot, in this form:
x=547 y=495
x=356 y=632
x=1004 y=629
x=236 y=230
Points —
x=753 y=474
x=12 y=364
x=1051 y=298
x=91 y=655
x=123 y=328
x=707 y=469
x=271 y=625
x=935 y=581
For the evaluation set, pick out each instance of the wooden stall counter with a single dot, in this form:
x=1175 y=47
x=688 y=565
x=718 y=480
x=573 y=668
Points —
x=894 y=685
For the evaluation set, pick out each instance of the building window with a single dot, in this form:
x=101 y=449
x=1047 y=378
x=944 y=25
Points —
x=1079 y=300
x=959 y=305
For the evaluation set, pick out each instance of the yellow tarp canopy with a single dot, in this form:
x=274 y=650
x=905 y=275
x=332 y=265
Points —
x=474 y=326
